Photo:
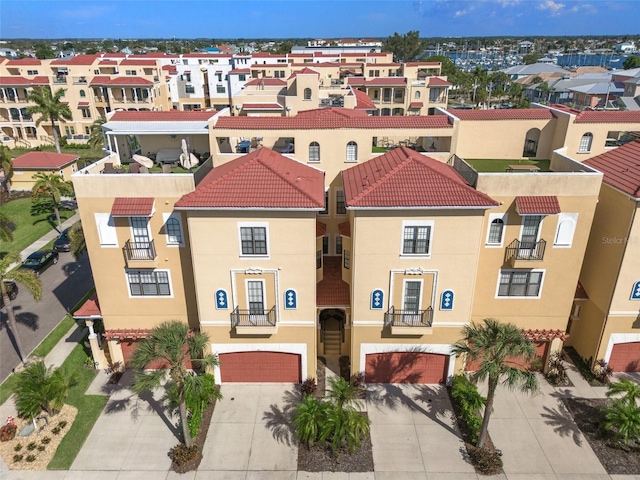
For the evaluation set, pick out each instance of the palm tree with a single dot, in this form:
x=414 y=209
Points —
x=172 y=344
x=6 y=165
x=51 y=186
x=50 y=108
x=629 y=388
x=310 y=414
x=78 y=244
x=29 y=279
x=493 y=346
x=96 y=138
x=41 y=388
x=342 y=393
x=6 y=228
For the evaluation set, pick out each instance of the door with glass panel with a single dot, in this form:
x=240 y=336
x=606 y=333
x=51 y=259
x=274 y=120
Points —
x=411 y=304
x=141 y=240
x=255 y=294
x=529 y=238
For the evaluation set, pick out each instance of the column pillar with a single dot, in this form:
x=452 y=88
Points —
x=99 y=357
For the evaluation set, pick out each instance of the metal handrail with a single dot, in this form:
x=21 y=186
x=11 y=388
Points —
x=139 y=250
x=253 y=318
x=408 y=318
x=518 y=250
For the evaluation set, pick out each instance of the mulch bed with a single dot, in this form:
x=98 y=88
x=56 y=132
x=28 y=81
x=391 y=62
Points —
x=317 y=458
x=199 y=441
x=588 y=415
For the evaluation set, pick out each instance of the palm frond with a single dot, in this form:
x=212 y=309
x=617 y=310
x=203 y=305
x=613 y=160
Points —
x=29 y=279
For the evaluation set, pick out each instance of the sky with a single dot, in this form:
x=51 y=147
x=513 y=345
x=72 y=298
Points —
x=128 y=19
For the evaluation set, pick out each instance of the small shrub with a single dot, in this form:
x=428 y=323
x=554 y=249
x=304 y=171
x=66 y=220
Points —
x=602 y=371
x=18 y=458
x=557 y=370
x=62 y=424
x=309 y=387
x=488 y=462
x=17 y=447
x=196 y=405
x=8 y=432
x=55 y=430
x=32 y=446
x=181 y=454
x=470 y=402
x=357 y=380
x=45 y=440
x=30 y=458
x=41 y=448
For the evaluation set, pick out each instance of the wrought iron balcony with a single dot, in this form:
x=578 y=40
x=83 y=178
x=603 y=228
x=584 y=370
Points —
x=254 y=321
x=525 y=251
x=409 y=322
x=134 y=251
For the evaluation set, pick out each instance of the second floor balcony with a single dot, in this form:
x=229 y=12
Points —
x=409 y=322
x=139 y=254
x=523 y=251
x=254 y=321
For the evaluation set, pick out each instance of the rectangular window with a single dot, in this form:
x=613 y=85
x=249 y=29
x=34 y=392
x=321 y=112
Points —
x=341 y=208
x=69 y=130
x=86 y=113
x=87 y=130
x=325 y=245
x=520 y=283
x=140 y=230
x=106 y=230
x=339 y=245
x=318 y=259
x=398 y=94
x=187 y=77
x=530 y=231
x=255 y=293
x=411 y=302
x=32 y=72
x=149 y=283
x=220 y=89
x=326 y=204
x=347 y=259
x=189 y=89
x=130 y=72
x=253 y=240
x=416 y=240
x=242 y=77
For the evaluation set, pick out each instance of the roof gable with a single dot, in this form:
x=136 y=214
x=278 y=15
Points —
x=403 y=178
x=263 y=179
x=621 y=168
x=43 y=160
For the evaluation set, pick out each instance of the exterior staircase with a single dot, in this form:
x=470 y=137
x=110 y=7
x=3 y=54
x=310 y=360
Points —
x=332 y=341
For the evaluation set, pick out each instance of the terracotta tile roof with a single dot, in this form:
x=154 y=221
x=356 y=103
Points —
x=43 y=161
x=77 y=60
x=135 y=62
x=332 y=290
x=504 y=114
x=107 y=62
x=238 y=71
x=422 y=64
x=624 y=116
x=621 y=167
x=132 y=207
x=345 y=229
x=83 y=104
x=128 y=80
x=403 y=178
x=393 y=81
x=581 y=293
x=304 y=71
x=168 y=116
x=170 y=68
x=545 y=335
x=538 y=205
x=266 y=81
x=321 y=228
x=333 y=118
x=17 y=62
x=363 y=102
x=207 y=55
x=260 y=179
x=90 y=308
x=262 y=106
x=416 y=105
x=437 y=82
x=16 y=80
x=133 y=333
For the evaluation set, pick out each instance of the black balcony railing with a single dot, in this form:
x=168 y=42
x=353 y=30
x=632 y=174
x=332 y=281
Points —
x=253 y=318
x=408 y=318
x=518 y=250
x=139 y=250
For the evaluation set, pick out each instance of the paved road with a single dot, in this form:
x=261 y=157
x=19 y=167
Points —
x=63 y=285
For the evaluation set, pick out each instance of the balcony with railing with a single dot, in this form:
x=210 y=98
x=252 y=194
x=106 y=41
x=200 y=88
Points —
x=521 y=254
x=140 y=254
x=254 y=322
x=409 y=322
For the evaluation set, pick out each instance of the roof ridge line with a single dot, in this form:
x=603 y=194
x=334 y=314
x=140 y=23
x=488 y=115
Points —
x=290 y=182
x=384 y=178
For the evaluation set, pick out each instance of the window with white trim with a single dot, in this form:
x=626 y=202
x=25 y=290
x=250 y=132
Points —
x=347 y=259
x=565 y=230
x=173 y=229
x=495 y=234
x=106 y=230
x=341 y=207
x=148 y=283
x=314 y=152
x=411 y=300
x=318 y=259
x=520 y=283
x=253 y=240
x=325 y=245
x=352 y=152
x=585 y=143
x=255 y=297
x=416 y=238
x=307 y=94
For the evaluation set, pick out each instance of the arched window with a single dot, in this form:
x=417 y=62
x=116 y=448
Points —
x=495 y=232
x=417 y=94
x=174 y=234
x=585 y=142
x=82 y=94
x=314 y=152
x=307 y=94
x=352 y=152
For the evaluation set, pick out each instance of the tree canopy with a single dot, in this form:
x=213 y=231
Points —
x=50 y=108
x=631 y=62
x=405 y=47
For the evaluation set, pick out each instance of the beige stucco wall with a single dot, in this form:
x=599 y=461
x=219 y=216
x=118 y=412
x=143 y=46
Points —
x=23 y=179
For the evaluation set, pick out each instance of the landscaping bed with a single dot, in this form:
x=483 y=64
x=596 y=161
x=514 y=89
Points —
x=588 y=415
x=318 y=458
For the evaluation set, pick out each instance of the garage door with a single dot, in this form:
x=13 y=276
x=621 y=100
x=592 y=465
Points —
x=542 y=349
x=406 y=367
x=625 y=357
x=260 y=367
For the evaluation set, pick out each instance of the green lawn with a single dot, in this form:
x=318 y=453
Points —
x=54 y=337
x=28 y=228
x=89 y=409
x=491 y=166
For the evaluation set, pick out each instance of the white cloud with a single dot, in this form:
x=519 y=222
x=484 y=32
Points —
x=552 y=6
x=460 y=13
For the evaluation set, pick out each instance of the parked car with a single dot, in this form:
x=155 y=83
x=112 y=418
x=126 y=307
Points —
x=62 y=243
x=12 y=290
x=39 y=261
